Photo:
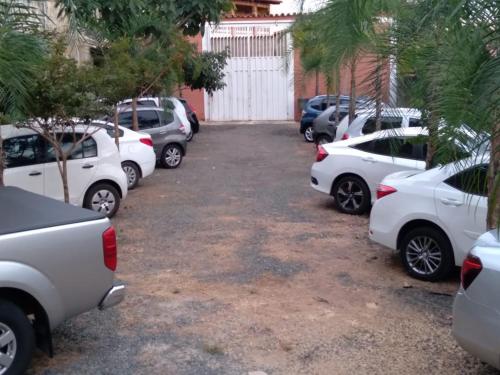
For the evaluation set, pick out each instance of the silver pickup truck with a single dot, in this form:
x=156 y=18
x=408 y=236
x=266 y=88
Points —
x=56 y=261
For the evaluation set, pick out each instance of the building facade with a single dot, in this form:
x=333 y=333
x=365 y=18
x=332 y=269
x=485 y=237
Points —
x=253 y=7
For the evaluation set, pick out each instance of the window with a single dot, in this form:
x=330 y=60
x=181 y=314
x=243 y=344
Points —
x=111 y=130
x=23 y=151
x=345 y=101
x=416 y=123
x=147 y=103
x=471 y=181
x=87 y=149
x=125 y=120
x=386 y=123
x=167 y=117
x=395 y=147
x=366 y=146
x=341 y=116
x=148 y=119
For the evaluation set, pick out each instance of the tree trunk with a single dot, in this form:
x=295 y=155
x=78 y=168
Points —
x=337 y=101
x=64 y=176
x=431 y=144
x=378 y=98
x=2 y=161
x=117 y=129
x=494 y=181
x=135 y=120
x=317 y=82
x=352 y=103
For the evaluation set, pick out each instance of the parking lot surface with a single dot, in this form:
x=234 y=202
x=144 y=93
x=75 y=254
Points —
x=235 y=265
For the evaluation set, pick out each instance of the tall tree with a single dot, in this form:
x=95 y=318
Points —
x=21 y=52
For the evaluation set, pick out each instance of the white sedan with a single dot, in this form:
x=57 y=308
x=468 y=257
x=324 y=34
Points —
x=136 y=153
x=351 y=170
x=432 y=217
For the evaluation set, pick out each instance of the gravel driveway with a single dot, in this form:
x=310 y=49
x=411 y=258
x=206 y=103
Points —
x=235 y=265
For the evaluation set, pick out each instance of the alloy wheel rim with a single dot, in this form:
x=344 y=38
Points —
x=350 y=196
x=173 y=157
x=309 y=134
x=424 y=255
x=8 y=348
x=103 y=201
x=131 y=175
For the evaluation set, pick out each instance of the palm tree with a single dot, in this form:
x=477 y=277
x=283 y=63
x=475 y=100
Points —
x=21 y=51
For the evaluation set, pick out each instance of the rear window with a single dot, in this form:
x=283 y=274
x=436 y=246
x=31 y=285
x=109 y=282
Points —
x=472 y=181
x=386 y=123
x=341 y=116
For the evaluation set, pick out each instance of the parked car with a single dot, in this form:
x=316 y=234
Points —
x=432 y=217
x=476 y=311
x=95 y=177
x=171 y=103
x=136 y=152
x=317 y=105
x=351 y=170
x=365 y=122
x=192 y=117
x=325 y=127
x=167 y=132
x=56 y=261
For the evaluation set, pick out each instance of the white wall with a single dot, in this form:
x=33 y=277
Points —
x=292 y=6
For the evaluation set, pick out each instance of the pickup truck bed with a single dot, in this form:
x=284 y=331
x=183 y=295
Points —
x=22 y=211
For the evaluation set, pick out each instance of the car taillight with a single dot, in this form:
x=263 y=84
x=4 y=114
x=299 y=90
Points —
x=384 y=191
x=109 y=248
x=470 y=270
x=182 y=128
x=321 y=154
x=147 y=141
x=345 y=137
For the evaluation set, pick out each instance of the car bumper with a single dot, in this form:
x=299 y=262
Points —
x=114 y=296
x=382 y=228
x=321 y=180
x=305 y=123
x=148 y=168
x=477 y=329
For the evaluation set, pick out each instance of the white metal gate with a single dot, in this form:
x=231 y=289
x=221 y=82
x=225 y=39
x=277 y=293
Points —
x=259 y=72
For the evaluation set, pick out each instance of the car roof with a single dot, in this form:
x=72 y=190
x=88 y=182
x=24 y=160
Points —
x=143 y=108
x=10 y=131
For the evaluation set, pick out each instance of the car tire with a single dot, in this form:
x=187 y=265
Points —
x=103 y=198
x=190 y=136
x=323 y=138
x=171 y=156
x=434 y=246
x=22 y=335
x=352 y=195
x=133 y=174
x=309 y=134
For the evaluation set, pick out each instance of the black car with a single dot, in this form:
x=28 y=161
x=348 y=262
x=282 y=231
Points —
x=191 y=114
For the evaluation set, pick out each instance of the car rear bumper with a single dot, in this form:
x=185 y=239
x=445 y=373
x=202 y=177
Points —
x=305 y=123
x=113 y=297
x=477 y=329
x=321 y=180
x=148 y=168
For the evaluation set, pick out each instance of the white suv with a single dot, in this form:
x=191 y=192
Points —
x=432 y=217
x=95 y=177
x=365 y=122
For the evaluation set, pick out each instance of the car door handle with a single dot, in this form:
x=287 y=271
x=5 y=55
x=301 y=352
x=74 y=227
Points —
x=369 y=160
x=88 y=166
x=35 y=173
x=451 y=202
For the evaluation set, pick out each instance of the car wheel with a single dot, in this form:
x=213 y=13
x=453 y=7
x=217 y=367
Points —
x=352 y=195
x=190 y=136
x=103 y=198
x=171 y=156
x=309 y=134
x=17 y=339
x=323 y=139
x=133 y=174
x=426 y=254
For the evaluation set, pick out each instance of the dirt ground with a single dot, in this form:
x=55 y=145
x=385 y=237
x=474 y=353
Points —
x=235 y=265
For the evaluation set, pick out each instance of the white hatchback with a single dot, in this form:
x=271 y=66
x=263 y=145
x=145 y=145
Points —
x=136 y=152
x=434 y=217
x=351 y=170
x=95 y=177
